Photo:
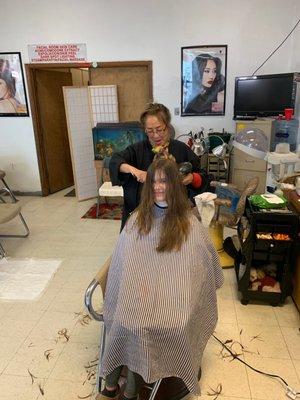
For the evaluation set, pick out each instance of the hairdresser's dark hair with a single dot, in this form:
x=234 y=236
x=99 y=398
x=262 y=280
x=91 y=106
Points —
x=158 y=110
x=199 y=63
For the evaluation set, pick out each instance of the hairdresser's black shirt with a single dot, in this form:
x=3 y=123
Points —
x=140 y=155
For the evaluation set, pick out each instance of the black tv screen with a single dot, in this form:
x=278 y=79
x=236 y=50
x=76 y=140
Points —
x=264 y=95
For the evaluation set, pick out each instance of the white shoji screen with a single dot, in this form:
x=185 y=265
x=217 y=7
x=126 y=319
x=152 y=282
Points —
x=81 y=141
x=104 y=103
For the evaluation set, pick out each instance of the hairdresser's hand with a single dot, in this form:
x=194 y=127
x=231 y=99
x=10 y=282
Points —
x=188 y=179
x=139 y=174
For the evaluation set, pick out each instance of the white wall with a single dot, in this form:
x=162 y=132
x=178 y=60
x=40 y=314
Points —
x=296 y=42
x=296 y=64
x=145 y=30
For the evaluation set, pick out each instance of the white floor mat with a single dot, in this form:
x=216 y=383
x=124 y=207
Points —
x=25 y=279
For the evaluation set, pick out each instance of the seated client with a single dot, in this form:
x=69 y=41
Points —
x=160 y=304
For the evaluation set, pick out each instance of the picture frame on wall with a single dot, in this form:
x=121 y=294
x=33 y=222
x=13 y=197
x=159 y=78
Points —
x=203 y=80
x=13 y=98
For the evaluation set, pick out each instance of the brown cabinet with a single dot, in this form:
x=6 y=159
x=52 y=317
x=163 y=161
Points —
x=247 y=162
x=243 y=167
x=243 y=176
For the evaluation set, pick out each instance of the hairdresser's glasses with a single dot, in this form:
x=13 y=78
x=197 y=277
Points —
x=158 y=130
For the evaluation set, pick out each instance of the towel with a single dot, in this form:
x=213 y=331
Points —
x=206 y=207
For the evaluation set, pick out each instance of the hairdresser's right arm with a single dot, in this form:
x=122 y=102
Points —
x=137 y=173
x=123 y=166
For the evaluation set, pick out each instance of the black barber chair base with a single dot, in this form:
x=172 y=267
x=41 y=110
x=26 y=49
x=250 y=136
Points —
x=169 y=389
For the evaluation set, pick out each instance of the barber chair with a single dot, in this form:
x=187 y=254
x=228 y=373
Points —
x=225 y=216
x=164 y=389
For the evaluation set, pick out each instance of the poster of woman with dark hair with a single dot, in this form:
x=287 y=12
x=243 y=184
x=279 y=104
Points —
x=203 y=74
x=13 y=100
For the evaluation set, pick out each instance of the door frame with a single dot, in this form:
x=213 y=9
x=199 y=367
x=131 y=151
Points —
x=30 y=70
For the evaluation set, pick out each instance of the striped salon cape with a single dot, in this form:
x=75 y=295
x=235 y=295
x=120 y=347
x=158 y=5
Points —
x=160 y=308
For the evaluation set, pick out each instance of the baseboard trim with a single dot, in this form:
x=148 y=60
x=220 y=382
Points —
x=18 y=193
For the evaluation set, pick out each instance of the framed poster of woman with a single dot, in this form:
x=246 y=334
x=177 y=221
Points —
x=203 y=80
x=13 y=99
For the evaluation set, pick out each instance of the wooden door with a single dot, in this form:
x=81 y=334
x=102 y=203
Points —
x=134 y=85
x=53 y=127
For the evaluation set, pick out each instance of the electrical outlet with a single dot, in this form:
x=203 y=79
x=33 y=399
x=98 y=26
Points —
x=176 y=111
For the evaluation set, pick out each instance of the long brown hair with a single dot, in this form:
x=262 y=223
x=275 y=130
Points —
x=176 y=225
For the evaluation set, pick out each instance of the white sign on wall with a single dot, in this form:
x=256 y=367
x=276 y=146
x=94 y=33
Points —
x=70 y=52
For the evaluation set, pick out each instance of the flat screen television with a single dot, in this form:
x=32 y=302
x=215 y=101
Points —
x=264 y=95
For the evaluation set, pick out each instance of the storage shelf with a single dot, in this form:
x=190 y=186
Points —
x=260 y=253
x=215 y=166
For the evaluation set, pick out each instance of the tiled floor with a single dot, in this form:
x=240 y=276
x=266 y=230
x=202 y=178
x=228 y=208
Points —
x=30 y=342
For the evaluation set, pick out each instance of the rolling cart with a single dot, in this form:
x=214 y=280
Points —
x=266 y=237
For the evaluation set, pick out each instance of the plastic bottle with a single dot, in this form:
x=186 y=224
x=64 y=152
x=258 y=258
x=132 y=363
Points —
x=285 y=130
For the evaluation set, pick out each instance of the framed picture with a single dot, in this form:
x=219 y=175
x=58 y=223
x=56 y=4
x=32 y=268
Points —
x=203 y=80
x=13 y=99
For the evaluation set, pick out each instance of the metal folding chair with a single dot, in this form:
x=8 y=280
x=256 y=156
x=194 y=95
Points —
x=5 y=188
x=2 y=251
x=9 y=211
x=100 y=280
